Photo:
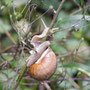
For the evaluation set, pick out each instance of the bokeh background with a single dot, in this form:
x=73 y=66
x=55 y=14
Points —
x=71 y=42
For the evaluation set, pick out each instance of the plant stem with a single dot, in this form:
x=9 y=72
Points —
x=20 y=76
x=57 y=12
x=83 y=8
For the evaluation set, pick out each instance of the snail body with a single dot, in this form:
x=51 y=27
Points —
x=44 y=67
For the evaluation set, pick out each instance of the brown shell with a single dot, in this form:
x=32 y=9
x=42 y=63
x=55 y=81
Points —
x=45 y=68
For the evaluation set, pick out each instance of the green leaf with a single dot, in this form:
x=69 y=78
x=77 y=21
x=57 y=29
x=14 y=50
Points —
x=4 y=25
x=57 y=48
x=71 y=44
x=81 y=67
x=60 y=35
x=74 y=22
x=3 y=77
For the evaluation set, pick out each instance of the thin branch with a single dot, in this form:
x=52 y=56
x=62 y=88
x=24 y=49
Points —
x=57 y=12
x=28 y=84
x=63 y=79
x=70 y=53
x=8 y=48
x=8 y=34
x=43 y=23
x=46 y=85
x=76 y=3
x=41 y=86
x=70 y=79
x=79 y=10
x=81 y=79
x=72 y=82
x=6 y=62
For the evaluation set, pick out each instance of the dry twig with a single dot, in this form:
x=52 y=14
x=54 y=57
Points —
x=8 y=34
x=79 y=10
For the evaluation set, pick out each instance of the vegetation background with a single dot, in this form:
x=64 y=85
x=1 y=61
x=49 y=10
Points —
x=71 y=42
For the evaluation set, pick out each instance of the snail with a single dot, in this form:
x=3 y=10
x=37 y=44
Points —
x=44 y=67
x=42 y=62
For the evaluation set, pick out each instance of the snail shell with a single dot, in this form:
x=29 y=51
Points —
x=45 y=67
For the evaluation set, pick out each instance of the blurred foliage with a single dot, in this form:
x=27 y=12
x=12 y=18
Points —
x=72 y=36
